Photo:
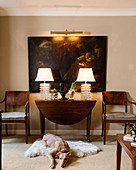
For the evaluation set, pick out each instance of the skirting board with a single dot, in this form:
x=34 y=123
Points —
x=62 y=132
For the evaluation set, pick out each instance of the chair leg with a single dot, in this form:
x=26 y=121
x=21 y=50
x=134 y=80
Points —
x=104 y=126
x=26 y=128
x=125 y=128
x=6 y=127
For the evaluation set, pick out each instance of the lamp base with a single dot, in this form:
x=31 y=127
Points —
x=85 y=91
x=45 y=91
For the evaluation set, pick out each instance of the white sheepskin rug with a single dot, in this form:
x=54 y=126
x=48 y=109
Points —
x=78 y=149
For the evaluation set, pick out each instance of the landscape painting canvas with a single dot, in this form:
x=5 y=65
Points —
x=65 y=55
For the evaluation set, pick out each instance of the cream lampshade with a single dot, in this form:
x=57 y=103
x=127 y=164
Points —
x=44 y=74
x=85 y=75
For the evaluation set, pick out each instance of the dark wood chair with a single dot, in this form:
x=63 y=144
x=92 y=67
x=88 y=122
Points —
x=16 y=99
x=115 y=98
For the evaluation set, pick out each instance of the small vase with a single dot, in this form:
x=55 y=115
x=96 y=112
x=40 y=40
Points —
x=52 y=97
x=71 y=94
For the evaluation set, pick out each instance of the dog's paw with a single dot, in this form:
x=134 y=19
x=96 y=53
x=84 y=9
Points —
x=52 y=166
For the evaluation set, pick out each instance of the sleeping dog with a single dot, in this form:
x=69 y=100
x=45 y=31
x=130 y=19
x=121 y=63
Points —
x=60 y=148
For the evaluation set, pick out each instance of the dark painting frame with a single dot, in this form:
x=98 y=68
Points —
x=65 y=55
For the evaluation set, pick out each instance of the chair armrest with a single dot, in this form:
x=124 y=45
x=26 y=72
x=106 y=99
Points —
x=27 y=107
x=132 y=102
x=103 y=107
x=26 y=103
x=2 y=101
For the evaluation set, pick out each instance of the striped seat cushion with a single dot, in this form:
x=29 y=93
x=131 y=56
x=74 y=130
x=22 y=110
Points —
x=13 y=115
x=120 y=116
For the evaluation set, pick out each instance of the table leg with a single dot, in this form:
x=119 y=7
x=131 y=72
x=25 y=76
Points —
x=42 y=119
x=134 y=164
x=88 y=126
x=119 y=148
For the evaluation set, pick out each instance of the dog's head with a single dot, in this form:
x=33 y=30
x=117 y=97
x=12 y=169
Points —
x=64 y=158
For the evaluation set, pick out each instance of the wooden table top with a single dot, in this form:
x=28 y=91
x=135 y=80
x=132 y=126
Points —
x=65 y=111
x=45 y=100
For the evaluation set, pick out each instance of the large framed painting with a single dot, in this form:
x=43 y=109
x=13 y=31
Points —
x=65 y=55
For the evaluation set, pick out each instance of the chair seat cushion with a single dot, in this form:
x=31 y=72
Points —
x=13 y=115
x=120 y=116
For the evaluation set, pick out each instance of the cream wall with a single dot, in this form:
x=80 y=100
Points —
x=121 y=58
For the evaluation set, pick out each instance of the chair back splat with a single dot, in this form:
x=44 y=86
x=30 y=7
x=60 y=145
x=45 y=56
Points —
x=115 y=98
x=16 y=98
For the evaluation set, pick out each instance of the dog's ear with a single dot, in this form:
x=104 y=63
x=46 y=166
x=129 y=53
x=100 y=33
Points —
x=68 y=153
x=58 y=153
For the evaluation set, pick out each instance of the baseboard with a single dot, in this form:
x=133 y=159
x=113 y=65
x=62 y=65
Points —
x=64 y=132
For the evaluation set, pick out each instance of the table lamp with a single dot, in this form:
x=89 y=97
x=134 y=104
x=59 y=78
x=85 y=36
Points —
x=44 y=74
x=85 y=75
